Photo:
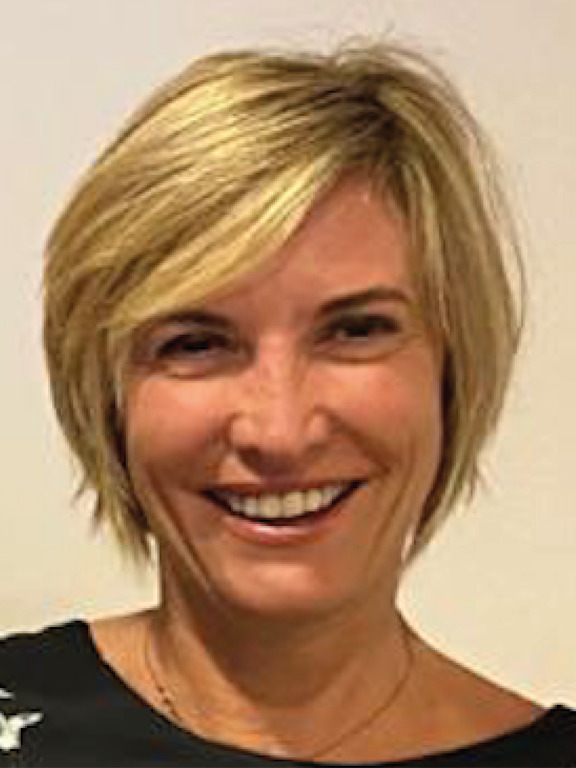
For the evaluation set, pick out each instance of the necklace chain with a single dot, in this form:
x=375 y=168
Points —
x=170 y=708
x=384 y=706
x=162 y=692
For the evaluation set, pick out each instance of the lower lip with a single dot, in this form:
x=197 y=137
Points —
x=302 y=531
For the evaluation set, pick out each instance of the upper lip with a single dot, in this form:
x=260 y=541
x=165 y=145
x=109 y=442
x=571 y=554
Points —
x=257 y=489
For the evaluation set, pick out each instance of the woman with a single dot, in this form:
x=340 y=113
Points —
x=279 y=326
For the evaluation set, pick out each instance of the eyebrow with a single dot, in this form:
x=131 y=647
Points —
x=331 y=307
x=353 y=300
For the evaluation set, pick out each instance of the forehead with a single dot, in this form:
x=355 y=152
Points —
x=353 y=239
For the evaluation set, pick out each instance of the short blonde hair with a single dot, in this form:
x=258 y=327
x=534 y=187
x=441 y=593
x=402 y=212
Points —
x=212 y=175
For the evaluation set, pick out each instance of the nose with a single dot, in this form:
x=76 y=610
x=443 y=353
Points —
x=279 y=422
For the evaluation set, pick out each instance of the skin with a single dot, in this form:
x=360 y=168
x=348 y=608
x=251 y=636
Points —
x=285 y=396
x=288 y=397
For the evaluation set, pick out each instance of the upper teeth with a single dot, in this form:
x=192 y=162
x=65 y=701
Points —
x=291 y=504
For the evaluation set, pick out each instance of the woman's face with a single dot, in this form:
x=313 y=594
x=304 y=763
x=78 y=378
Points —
x=312 y=382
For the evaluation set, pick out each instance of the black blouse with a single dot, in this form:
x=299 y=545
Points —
x=62 y=705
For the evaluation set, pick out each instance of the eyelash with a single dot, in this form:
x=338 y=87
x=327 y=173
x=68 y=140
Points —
x=184 y=342
x=371 y=325
x=349 y=330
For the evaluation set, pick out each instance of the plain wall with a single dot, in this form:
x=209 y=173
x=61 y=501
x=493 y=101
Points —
x=498 y=589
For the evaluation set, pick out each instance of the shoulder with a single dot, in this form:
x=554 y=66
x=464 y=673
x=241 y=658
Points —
x=475 y=720
x=66 y=661
x=38 y=657
x=458 y=706
x=60 y=703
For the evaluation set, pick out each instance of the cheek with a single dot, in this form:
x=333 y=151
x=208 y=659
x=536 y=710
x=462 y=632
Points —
x=397 y=412
x=381 y=397
x=165 y=427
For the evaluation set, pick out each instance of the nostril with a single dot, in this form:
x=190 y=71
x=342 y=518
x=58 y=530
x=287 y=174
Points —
x=280 y=432
x=273 y=438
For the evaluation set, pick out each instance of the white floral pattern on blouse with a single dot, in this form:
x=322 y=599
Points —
x=11 y=726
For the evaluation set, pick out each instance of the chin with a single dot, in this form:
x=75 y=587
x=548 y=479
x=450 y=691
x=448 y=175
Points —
x=289 y=593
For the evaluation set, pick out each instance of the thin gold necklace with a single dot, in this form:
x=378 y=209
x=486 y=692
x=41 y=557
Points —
x=166 y=700
x=168 y=704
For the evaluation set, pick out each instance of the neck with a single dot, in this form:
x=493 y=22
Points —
x=272 y=686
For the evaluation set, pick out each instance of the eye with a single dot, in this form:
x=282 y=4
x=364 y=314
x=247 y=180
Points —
x=362 y=328
x=192 y=344
x=362 y=337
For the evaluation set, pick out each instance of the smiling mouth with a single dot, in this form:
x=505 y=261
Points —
x=288 y=509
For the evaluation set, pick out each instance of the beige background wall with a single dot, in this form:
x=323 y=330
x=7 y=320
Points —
x=499 y=588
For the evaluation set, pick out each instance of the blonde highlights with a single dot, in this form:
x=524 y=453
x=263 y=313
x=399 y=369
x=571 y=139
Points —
x=212 y=175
